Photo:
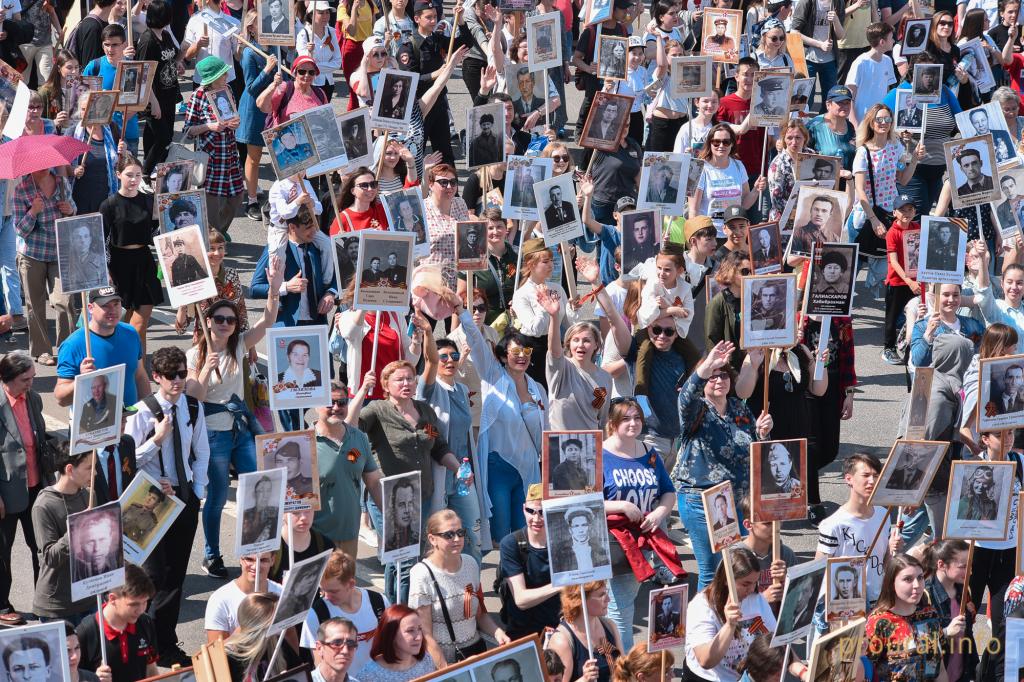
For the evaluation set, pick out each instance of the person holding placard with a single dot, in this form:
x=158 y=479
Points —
x=221 y=617
x=942 y=319
x=724 y=181
x=722 y=323
x=946 y=563
x=781 y=174
x=115 y=51
x=758 y=540
x=569 y=641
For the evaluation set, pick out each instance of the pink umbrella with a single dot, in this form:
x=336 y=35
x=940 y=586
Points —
x=31 y=153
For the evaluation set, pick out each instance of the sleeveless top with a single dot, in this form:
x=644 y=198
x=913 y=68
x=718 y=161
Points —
x=580 y=655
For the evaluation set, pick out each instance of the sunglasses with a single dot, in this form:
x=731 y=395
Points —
x=721 y=143
x=305 y=72
x=453 y=356
x=945 y=23
x=339 y=644
x=883 y=119
x=224 y=319
x=775 y=39
x=378 y=55
x=340 y=402
x=452 y=534
x=520 y=352
x=447 y=182
x=560 y=157
x=718 y=376
x=533 y=512
x=180 y=374
x=367 y=185
x=482 y=308
x=744 y=272
x=667 y=332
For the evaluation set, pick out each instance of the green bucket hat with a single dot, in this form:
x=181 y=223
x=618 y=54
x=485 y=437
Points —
x=210 y=69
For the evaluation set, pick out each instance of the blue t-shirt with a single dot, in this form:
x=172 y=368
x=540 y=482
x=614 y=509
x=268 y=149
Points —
x=610 y=240
x=636 y=480
x=107 y=351
x=102 y=67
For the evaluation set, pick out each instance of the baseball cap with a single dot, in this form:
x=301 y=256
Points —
x=372 y=42
x=636 y=41
x=625 y=204
x=623 y=4
x=904 y=199
x=104 y=295
x=695 y=225
x=734 y=212
x=839 y=93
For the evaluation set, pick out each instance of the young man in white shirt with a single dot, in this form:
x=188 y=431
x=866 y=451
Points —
x=872 y=74
x=171 y=432
x=221 y=616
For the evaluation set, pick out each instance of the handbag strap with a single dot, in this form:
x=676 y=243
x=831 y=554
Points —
x=871 y=176
x=444 y=606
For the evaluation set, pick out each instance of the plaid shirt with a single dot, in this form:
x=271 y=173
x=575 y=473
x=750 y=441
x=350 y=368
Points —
x=223 y=173
x=37 y=235
x=442 y=236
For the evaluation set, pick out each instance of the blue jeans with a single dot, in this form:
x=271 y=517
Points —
x=928 y=514
x=622 y=592
x=291 y=420
x=226 y=448
x=508 y=494
x=9 y=277
x=396 y=574
x=468 y=509
x=827 y=74
x=691 y=513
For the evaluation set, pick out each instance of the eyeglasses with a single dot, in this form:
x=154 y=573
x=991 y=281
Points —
x=340 y=402
x=667 y=332
x=224 y=319
x=453 y=356
x=367 y=185
x=305 y=72
x=532 y=512
x=721 y=143
x=520 y=352
x=719 y=376
x=447 y=182
x=35 y=107
x=180 y=374
x=339 y=644
x=560 y=157
x=945 y=22
x=482 y=308
x=451 y=534
x=745 y=272
x=775 y=39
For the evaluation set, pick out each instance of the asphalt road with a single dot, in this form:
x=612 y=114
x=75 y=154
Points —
x=872 y=428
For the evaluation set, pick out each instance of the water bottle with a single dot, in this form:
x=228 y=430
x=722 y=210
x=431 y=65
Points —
x=462 y=478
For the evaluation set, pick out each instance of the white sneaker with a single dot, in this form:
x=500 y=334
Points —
x=144 y=187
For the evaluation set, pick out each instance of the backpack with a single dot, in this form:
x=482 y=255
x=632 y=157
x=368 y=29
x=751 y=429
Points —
x=153 y=404
x=323 y=612
x=71 y=42
x=278 y=116
x=501 y=584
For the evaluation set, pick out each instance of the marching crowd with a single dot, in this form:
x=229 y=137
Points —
x=480 y=369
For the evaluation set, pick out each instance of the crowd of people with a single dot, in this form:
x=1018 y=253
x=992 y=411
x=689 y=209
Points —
x=480 y=369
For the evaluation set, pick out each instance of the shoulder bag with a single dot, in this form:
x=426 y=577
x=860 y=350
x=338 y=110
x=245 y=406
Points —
x=870 y=243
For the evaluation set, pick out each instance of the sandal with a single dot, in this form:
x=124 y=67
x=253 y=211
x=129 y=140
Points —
x=46 y=359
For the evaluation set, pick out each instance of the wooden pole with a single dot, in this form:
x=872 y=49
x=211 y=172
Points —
x=273 y=657
x=767 y=376
x=871 y=547
x=547 y=124
x=469 y=289
x=570 y=276
x=967 y=579
x=92 y=481
x=777 y=544
x=376 y=336
x=519 y=255
x=206 y=335
x=265 y=55
x=826 y=329
x=663 y=661
x=383 y=149
x=729 y=577
x=586 y=622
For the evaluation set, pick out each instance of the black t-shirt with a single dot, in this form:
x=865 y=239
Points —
x=536 y=573
x=88 y=42
x=127 y=656
x=162 y=50
x=430 y=51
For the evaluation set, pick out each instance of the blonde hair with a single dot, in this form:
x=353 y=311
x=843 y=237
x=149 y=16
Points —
x=391 y=368
x=436 y=520
x=572 y=604
x=249 y=642
x=638 y=662
x=583 y=327
x=865 y=132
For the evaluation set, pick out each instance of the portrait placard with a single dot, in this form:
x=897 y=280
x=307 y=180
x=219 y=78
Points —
x=99 y=107
x=543 y=36
x=799 y=597
x=787 y=218
x=818 y=167
x=485 y=135
x=819 y=217
x=778 y=480
x=355 y=133
x=177 y=210
x=800 y=98
x=942 y=252
x=260 y=512
x=128 y=79
x=592 y=11
x=835 y=656
x=186 y=266
x=768 y=311
x=173 y=177
x=917 y=414
x=560 y=218
x=663 y=182
x=975 y=61
x=300 y=673
x=911 y=252
x=346 y=256
x=298 y=367
x=295 y=452
x=521 y=174
x=275 y=22
x=406 y=213
x=403 y=517
x=577 y=539
x=641 y=237
x=327 y=141
x=909 y=112
x=81 y=253
x=518 y=660
x=42 y=647
x=471 y=245
x=694 y=170
x=769 y=105
x=607 y=122
x=908 y=471
x=220 y=23
x=666 y=618
x=571 y=463
x=974 y=174
x=721 y=31
x=720 y=513
x=392 y=107
x=978 y=503
x=1005 y=215
x=1011 y=182
x=1014 y=662
x=845 y=589
x=1000 y=393
x=927 y=83
x=514 y=5
x=301 y=587
x=9 y=79
x=765 y=244
x=147 y=512
x=611 y=54
x=915 y=37
x=97 y=555
x=988 y=119
x=290 y=148
x=690 y=77
x=383 y=270
x=96 y=409
x=831 y=278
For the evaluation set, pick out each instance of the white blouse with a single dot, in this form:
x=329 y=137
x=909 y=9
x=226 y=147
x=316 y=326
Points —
x=533 y=319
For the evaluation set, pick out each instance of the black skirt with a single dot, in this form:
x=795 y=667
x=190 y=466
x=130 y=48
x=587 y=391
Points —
x=133 y=272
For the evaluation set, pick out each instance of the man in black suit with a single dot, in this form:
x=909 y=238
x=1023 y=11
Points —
x=275 y=21
x=395 y=274
x=909 y=470
x=722 y=518
x=470 y=243
x=1010 y=400
x=115 y=465
x=403 y=528
x=661 y=190
x=580 y=552
x=260 y=519
x=970 y=163
x=558 y=212
x=486 y=147
x=185 y=268
x=666 y=616
x=942 y=249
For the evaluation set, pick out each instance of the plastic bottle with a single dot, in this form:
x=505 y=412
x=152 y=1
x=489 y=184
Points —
x=462 y=478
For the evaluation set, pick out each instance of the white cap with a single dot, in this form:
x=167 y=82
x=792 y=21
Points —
x=321 y=5
x=636 y=41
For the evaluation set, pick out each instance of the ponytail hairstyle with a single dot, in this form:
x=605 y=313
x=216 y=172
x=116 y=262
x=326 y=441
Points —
x=941 y=550
x=639 y=661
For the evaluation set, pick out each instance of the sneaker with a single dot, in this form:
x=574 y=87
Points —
x=891 y=356
x=215 y=568
x=169 y=659
x=664 y=576
x=180 y=109
x=252 y=209
x=144 y=187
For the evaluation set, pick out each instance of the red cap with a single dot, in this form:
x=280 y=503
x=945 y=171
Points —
x=304 y=60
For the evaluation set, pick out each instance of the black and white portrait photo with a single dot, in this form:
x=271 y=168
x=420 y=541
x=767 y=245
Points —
x=173 y=177
x=801 y=95
x=182 y=209
x=223 y=104
x=146 y=515
x=694 y=171
x=186 y=266
x=927 y=83
x=577 y=539
x=402 y=515
x=99 y=107
x=81 y=253
x=818 y=167
x=406 y=213
x=845 y=588
x=559 y=213
x=221 y=23
x=1014 y=664
x=769 y=311
x=720 y=515
x=542 y=37
x=355 y=133
x=327 y=141
x=780 y=470
x=641 y=237
x=35 y=653
x=290 y=148
x=96 y=554
x=298 y=367
x=521 y=174
x=942 y=252
x=666 y=617
x=607 y=122
x=485 y=135
x=383 y=270
x=909 y=111
x=128 y=78
x=96 y=409
x=818 y=217
x=915 y=37
x=836 y=656
x=275 y=22
x=908 y=472
x=301 y=587
x=974 y=60
x=803 y=583
x=519 y=661
x=978 y=503
x=1007 y=209
x=260 y=512
x=1001 y=393
x=571 y=462
x=663 y=182
x=471 y=245
x=917 y=412
x=831 y=278
x=765 y=244
x=690 y=76
x=988 y=119
x=780 y=467
x=392 y=104
x=611 y=52
x=295 y=452
x=972 y=165
x=770 y=103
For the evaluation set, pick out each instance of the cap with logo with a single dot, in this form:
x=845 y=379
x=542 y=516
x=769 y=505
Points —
x=625 y=204
x=104 y=295
x=903 y=200
x=839 y=93
x=735 y=212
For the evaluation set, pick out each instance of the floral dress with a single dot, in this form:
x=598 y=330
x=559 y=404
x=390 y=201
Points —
x=885 y=163
x=905 y=649
x=781 y=178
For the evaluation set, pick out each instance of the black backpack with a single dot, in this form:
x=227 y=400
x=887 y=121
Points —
x=501 y=584
x=153 y=404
